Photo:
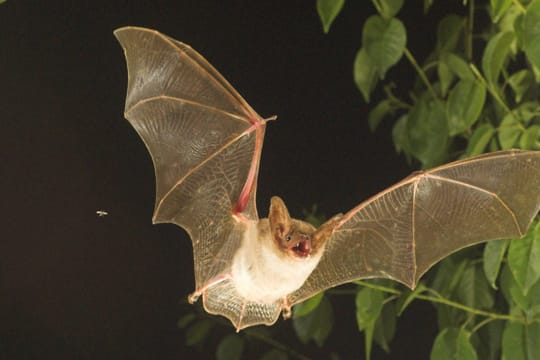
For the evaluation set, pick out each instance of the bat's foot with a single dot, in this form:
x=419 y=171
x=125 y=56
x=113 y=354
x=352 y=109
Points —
x=287 y=313
x=193 y=297
x=286 y=309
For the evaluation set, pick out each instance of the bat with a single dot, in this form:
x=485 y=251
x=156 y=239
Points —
x=206 y=141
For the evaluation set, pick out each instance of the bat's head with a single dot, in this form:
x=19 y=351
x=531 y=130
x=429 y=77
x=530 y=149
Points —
x=293 y=237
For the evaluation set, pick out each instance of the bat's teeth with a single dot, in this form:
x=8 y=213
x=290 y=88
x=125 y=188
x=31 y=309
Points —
x=302 y=248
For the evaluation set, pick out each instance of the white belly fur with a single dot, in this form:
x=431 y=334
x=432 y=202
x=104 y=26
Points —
x=260 y=274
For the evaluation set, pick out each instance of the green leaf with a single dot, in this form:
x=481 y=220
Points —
x=399 y=135
x=448 y=316
x=530 y=140
x=458 y=66
x=495 y=54
x=493 y=256
x=308 y=306
x=527 y=111
x=197 y=332
x=507 y=21
x=378 y=113
x=388 y=8
x=518 y=28
x=453 y=344
x=531 y=32
x=521 y=342
x=493 y=145
x=464 y=106
x=507 y=281
x=473 y=289
x=328 y=10
x=368 y=339
x=427 y=131
x=446 y=76
x=490 y=339
x=365 y=74
x=517 y=296
x=509 y=131
x=498 y=8
x=448 y=33
x=524 y=259
x=446 y=282
x=536 y=72
x=480 y=139
x=385 y=326
x=448 y=275
x=308 y=327
x=524 y=302
x=384 y=41
x=369 y=304
x=230 y=348
x=520 y=82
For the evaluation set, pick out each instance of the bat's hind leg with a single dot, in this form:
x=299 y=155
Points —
x=286 y=308
x=194 y=296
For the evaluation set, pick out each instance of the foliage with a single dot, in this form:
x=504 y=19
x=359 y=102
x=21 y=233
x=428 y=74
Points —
x=476 y=91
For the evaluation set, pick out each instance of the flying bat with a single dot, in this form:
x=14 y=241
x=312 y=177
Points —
x=206 y=141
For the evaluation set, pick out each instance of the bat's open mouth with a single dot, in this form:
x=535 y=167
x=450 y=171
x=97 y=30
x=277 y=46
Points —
x=302 y=248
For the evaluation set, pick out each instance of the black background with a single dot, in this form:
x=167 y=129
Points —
x=75 y=285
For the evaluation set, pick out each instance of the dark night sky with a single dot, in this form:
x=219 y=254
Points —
x=74 y=285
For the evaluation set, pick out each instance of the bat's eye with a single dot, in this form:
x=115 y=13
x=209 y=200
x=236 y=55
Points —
x=288 y=238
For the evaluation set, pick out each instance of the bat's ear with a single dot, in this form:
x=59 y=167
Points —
x=324 y=231
x=280 y=220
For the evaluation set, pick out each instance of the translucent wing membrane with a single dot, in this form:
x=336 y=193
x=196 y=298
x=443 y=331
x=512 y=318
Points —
x=400 y=233
x=204 y=139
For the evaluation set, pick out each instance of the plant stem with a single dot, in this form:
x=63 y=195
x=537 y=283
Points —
x=492 y=315
x=437 y=298
x=492 y=91
x=420 y=72
x=377 y=6
x=481 y=324
x=394 y=99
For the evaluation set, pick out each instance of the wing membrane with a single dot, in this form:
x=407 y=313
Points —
x=400 y=233
x=204 y=139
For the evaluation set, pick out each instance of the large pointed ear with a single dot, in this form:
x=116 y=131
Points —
x=280 y=220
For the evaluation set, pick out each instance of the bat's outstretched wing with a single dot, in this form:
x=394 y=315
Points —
x=205 y=142
x=403 y=231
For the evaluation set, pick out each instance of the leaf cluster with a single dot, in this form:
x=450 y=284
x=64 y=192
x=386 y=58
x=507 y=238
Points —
x=478 y=88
